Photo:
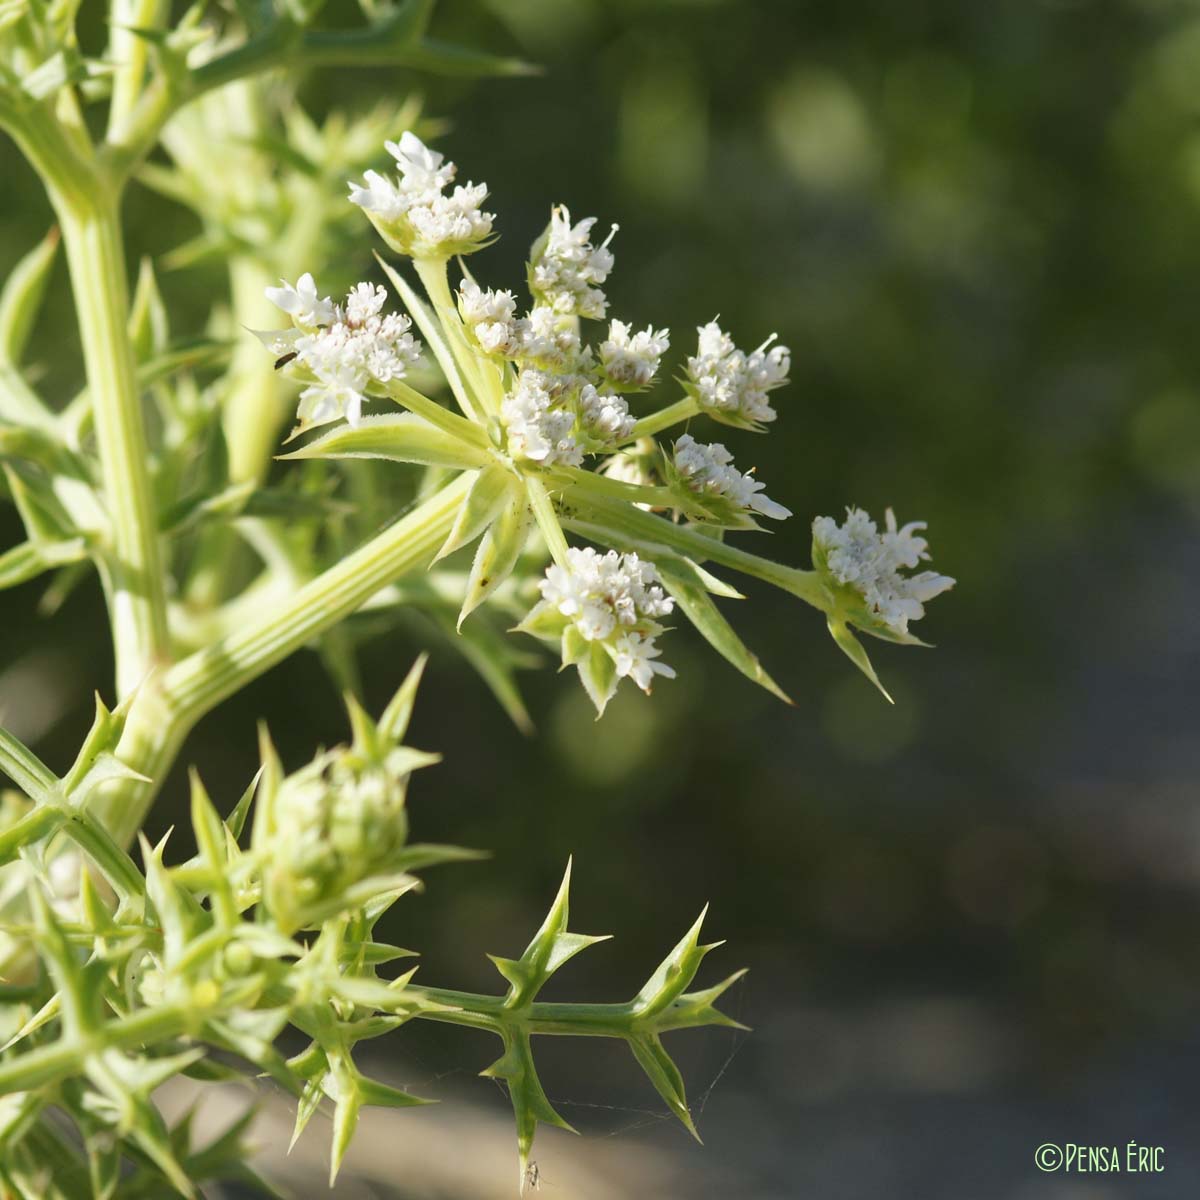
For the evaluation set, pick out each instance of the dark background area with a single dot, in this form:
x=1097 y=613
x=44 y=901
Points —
x=970 y=918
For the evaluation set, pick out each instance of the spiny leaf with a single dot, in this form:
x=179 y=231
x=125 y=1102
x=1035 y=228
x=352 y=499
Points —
x=551 y=946
x=698 y=1008
x=852 y=648
x=674 y=973
x=212 y=847
x=393 y=724
x=529 y=1101
x=78 y=994
x=148 y=327
x=664 y=1074
x=102 y=738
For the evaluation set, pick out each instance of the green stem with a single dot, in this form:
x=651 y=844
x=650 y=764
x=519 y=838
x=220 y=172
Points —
x=547 y=519
x=542 y=1018
x=681 y=410
x=65 y=1058
x=208 y=676
x=95 y=255
x=24 y=767
x=432 y=273
x=593 y=512
x=130 y=52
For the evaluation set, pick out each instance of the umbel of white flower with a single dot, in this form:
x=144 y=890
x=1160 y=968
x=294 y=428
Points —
x=342 y=352
x=604 y=609
x=732 y=386
x=712 y=488
x=413 y=212
x=868 y=563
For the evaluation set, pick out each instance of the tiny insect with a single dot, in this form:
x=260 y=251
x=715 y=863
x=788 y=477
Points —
x=287 y=358
x=533 y=1177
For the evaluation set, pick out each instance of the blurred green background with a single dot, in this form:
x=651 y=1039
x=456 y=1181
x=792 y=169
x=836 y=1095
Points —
x=971 y=918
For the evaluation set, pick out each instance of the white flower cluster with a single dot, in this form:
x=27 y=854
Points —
x=858 y=555
x=543 y=339
x=729 y=383
x=709 y=471
x=490 y=315
x=340 y=350
x=539 y=420
x=567 y=270
x=603 y=417
x=630 y=360
x=414 y=213
x=614 y=599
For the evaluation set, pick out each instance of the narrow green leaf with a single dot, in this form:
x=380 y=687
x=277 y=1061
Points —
x=664 y=1074
x=432 y=333
x=529 y=1101
x=684 y=582
x=393 y=724
x=24 y=767
x=21 y=297
x=149 y=330
x=29 y=829
x=494 y=487
x=674 y=973
x=404 y=437
x=853 y=650
x=498 y=552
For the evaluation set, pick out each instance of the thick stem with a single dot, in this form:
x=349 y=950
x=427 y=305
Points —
x=208 y=676
x=95 y=255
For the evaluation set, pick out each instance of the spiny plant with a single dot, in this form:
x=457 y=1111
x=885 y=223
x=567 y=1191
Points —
x=517 y=437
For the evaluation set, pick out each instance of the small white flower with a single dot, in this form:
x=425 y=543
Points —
x=301 y=302
x=635 y=654
x=567 y=270
x=422 y=170
x=414 y=213
x=550 y=340
x=604 y=418
x=709 y=471
x=858 y=555
x=631 y=360
x=364 y=301
x=380 y=197
x=538 y=421
x=731 y=384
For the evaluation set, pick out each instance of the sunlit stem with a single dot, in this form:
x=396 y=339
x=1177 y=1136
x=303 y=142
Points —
x=87 y=202
x=92 y=237
x=209 y=675
x=593 y=515
x=547 y=519
x=130 y=51
x=433 y=276
x=673 y=414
